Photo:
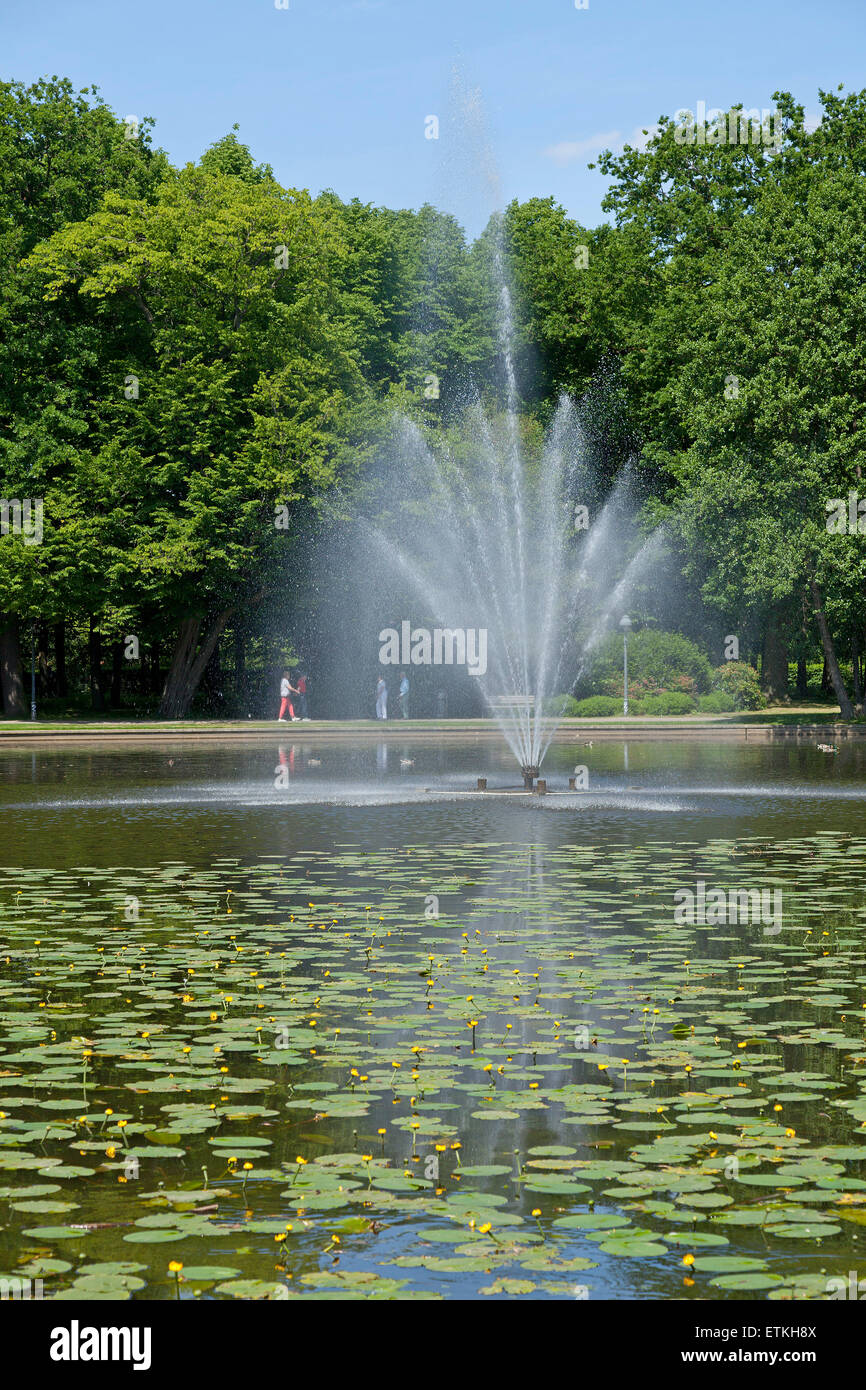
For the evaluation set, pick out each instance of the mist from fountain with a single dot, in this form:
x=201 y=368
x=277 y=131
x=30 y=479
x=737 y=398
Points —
x=481 y=529
x=493 y=546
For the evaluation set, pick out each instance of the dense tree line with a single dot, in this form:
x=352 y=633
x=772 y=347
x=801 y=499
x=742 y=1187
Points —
x=192 y=360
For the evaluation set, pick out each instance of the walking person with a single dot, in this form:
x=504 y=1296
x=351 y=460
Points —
x=381 y=699
x=404 y=695
x=286 y=692
x=302 y=697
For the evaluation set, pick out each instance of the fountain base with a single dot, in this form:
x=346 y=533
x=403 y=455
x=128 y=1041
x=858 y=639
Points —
x=530 y=773
x=539 y=788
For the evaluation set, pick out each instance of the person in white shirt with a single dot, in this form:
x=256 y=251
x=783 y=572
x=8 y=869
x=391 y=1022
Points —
x=381 y=699
x=286 y=692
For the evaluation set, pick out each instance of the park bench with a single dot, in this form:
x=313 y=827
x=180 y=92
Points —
x=513 y=702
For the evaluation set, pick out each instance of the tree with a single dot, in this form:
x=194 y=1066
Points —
x=549 y=256
x=245 y=375
x=742 y=367
x=60 y=151
x=783 y=321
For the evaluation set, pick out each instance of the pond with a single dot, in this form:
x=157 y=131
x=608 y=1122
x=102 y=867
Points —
x=299 y=1019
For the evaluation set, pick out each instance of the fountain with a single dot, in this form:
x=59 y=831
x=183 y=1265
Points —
x=493 y=533
x=488 y=526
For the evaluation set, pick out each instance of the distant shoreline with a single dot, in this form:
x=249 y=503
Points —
x=756 y=726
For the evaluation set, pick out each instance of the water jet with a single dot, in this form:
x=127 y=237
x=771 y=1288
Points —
x=477 y=528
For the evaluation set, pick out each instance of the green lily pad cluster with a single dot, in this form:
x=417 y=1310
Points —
x=286 y=1080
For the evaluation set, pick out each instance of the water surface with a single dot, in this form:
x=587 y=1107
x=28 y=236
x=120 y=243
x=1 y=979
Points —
x=458 y=1010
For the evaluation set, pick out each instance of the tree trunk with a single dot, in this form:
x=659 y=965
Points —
x=802 y=679
x=42 y=664
x=11 y=677
x=116 y=674
x=845 y=705
x=240 y=669
x=188 y=663
x=94 y=654
x=826 y=683
x=774 y=663
x=60 y=660
x=855 y=667
x=211 y=682
x=155 y=674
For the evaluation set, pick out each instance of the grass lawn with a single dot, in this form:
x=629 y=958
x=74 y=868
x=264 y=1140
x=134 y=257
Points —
x=118 y=722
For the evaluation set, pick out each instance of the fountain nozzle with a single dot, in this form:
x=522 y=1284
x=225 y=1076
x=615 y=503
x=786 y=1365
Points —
x=529 y=775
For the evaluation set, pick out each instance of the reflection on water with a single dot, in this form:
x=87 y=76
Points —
x=348 y=955
x=258 y=798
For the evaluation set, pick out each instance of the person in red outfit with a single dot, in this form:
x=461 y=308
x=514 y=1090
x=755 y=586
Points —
x=287 y=690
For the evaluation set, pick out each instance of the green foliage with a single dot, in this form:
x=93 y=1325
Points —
x=246 y=380
x=564 y=706
x=739 y=681
x=60 y=151
x=733 y=292
x=229 y=156
x=543 y=244
x=714 y=335
x=717 y=702
x=596 y=707
x=601 y=706
x=657 y=661
x=668 y=702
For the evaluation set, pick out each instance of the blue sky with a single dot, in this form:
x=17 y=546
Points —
x=334 y=93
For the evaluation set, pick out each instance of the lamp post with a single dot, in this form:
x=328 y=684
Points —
x=33 y=673
x=625 y=624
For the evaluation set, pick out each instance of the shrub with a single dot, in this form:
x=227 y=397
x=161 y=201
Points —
x=677 y=703
x=716 y=703
x=563 y=706
x=637 y=689
x=598 y=706
x=739 y=680
x=658 y=662
x=668 y=702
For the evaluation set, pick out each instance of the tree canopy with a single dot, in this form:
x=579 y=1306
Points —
x=192 y=359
